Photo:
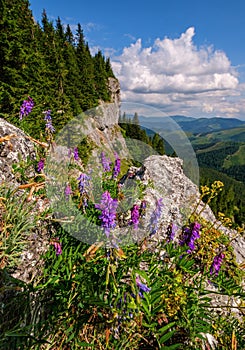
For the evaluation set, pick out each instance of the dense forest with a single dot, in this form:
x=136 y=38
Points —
x=226 y=157
x=48 y=63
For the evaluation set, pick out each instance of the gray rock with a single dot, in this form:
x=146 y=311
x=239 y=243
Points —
x=14 y=146
x=180 y=197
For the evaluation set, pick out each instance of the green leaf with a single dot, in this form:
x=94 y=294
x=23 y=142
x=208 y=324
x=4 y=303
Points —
x=151 y=325
x=84 y=344
x=145 y=307
x=171 y=347
x=165 y=328
x=71 y=337
x=142 y=274
x=166 y=336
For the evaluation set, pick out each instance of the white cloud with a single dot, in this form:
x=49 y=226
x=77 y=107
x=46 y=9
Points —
x=106 y=51
x=90 y=26
x=179 y=77
x=130 y=36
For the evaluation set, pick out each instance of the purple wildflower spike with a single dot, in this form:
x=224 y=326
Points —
x=83 y=181
x=143 y=205
x=106 y=162
x=68 y=191
x=40 y=165
x=135 y=216
x=26 y=107
x=48 y=119
x=108 y=207
x=216 y=265
x=190 y=235
x=142 y=287
x=75 y=154
x=171 y=232
x=117 y=167
x=154 y=221
x=57 y=247
x=47 y=115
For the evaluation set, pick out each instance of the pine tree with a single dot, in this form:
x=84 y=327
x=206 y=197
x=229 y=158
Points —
x=108 y=68
x=101 y=78
x=86 y=72
x=158 y=144
x=136 y=119
x=69 y=36
x=15 y=46
x=72 y=78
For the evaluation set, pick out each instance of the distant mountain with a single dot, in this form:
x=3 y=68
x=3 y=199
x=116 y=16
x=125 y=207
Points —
x=182 y=118
x=190 y=124
x=206 y=125
x=236 y=134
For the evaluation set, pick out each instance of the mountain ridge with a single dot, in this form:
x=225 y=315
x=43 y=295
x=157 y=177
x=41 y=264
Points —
x=196 y=125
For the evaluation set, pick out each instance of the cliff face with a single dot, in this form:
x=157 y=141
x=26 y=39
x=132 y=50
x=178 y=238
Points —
x=102 y=129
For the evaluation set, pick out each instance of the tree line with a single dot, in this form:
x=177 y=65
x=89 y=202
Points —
x=49 y=63
x=147 y=145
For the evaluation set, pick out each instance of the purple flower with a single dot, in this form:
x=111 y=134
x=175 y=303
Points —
x=142 y=287
x=142 y=208
x=154 y=221
x=68 y=191
x=48 y=119
x=135 y=216
x=40 y=165
x=47 y=115
x=57 y=247
x=171 y=232
x=108 y=207
x=26 y=107
x=117 y=167
x=190 y=235
x=50 y=127
x=216 y=265
x=75 y=154
x=106 y=162
x=83 y=181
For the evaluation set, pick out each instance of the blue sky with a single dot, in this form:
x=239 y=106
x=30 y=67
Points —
x=183 y=57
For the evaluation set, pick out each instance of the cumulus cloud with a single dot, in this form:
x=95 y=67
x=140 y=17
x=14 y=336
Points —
x=178 y=76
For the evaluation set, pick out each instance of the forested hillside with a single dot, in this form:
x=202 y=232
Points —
x=132 y=130
x=231 y=200
x=49 y=63
x=226 y=157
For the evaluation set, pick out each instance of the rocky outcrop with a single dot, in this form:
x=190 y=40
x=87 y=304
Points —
x=15 y=146
x=164 y=178
x=99 y=126
x=103 y=129
x=180 y=196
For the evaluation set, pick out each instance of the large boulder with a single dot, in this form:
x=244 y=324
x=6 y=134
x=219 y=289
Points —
x=180 y=198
